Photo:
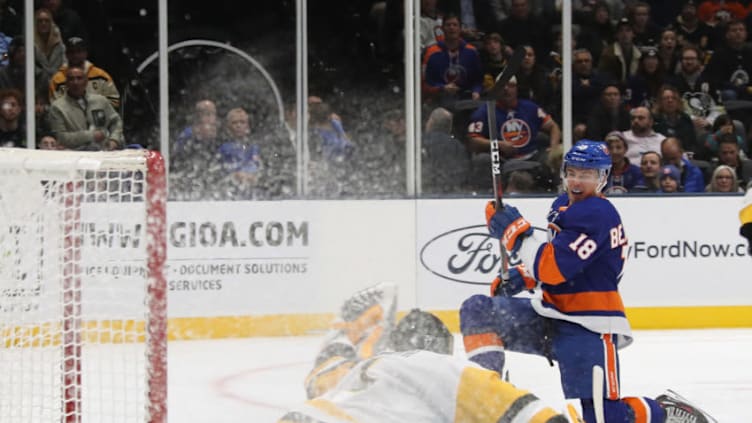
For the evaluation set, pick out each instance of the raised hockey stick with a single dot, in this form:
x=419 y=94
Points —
x=513 y=64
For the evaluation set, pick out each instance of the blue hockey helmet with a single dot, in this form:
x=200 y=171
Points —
x=588 y=154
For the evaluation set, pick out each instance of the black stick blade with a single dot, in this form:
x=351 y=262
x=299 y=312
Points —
x=513 y=65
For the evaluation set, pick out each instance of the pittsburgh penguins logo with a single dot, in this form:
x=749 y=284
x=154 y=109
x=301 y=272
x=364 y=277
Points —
x=739 y=78
x=516 y=131
x=698 y=104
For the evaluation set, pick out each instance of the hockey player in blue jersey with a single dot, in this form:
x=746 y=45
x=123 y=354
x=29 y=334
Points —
x=579 y=319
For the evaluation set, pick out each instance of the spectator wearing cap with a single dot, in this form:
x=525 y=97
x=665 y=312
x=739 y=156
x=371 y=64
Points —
x=624 y=175
x=621 y=59
x=690 y=29
x=643 y=86
x=99 y=81
x=669 y=179
x=690 y=176
x=81 y=120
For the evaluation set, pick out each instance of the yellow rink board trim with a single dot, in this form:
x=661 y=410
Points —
x=697 y=317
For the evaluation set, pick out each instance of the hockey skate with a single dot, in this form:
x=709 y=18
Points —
x=679 y=410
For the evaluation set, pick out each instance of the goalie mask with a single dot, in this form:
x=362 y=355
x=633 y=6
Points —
x=588 y=154
x=420 y=330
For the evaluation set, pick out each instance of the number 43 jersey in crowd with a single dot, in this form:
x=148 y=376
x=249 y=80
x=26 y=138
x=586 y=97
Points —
x=580 y=268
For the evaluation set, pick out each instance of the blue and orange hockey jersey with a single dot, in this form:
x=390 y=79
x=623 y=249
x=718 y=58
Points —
x=580 y=266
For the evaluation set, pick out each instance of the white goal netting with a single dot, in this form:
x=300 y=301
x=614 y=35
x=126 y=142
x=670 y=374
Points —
x=82 y=296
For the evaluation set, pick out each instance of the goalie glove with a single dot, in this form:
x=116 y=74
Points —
x=519 y=279
x=508 y=225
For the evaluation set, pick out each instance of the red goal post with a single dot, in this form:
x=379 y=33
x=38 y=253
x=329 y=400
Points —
x=83 y=306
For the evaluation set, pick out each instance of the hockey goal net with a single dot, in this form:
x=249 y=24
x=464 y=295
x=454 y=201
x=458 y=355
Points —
x=82 y=288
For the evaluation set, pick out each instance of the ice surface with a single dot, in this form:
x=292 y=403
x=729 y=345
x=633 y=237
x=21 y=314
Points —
x=256 y=379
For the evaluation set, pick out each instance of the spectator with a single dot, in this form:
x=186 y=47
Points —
x=518 y=122
x=668 y=52
x=671 y=121
x=240 y=158
x=624 y=175
x=731 y=63
x=723 y=180
x=669 y=179
x=70 y=23
x=492 y=59
x=650 y=168
x=522 y=27
x=596 y=32
x=695 y=88
x=724 y=125
x=49 y=142
x=430 y=24
x=333 y=142
x=532 y=78
x=690 y=176
x=81 y=120
x=610 y=116
x=12 y=129
x=49 y=50
x=644 y=84
x=587 y=86
x=621 y=59
x=520 y=182
x=204 y=111
x=690 y=30
x=452 y=68
x=14 y=74
x=5 y=42
x=445 y=163
x=646 y=32
x=196 y=169
x=477 y=17
x=99 y=81
x=11 y=22
x=728 y=154
x=718 y=12
x=641 y=137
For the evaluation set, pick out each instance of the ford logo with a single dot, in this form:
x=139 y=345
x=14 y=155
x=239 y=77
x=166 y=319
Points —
x=465 y=255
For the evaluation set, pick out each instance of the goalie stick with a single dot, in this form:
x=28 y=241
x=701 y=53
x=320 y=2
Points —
x=513 y=64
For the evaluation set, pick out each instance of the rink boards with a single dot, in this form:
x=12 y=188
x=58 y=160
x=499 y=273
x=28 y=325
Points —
x=284 y=268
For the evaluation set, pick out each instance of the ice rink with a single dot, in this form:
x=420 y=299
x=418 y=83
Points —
x=256 y=379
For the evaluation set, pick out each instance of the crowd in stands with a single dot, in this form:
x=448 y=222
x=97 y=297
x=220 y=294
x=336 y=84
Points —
x=665 y=84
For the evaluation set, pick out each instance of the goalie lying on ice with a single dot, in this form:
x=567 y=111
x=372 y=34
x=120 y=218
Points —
x=745 y=215
x=371 y=370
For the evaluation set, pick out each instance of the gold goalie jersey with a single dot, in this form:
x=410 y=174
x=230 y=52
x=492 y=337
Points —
x=422 y=386
x=745 y=216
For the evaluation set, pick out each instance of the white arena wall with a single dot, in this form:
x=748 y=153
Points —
x=284 y=268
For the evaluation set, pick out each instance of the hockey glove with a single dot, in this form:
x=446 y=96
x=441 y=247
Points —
x=508 y=225
x=746 y=231
x=519 y=279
